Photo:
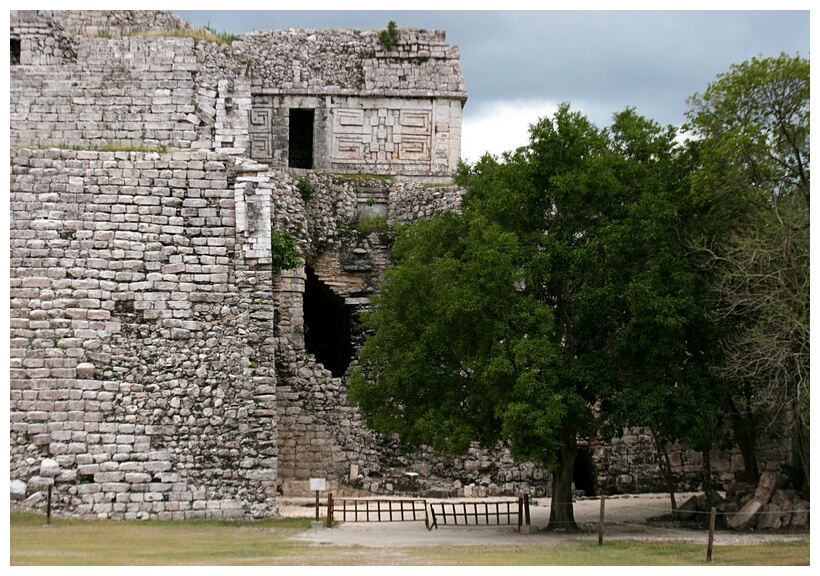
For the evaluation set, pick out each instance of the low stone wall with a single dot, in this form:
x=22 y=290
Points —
x=141 y=337
x=629 y=464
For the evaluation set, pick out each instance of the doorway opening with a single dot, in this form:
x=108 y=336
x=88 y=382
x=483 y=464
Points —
x=583 y=474
x=15 y=51
x=327 y=325
x=300 y=139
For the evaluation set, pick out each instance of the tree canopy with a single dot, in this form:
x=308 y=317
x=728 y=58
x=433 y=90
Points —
x=558 y=294
x=751 y=129
x=574 y=293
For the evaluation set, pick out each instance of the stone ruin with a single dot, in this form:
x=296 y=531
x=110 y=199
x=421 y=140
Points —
x=161 y=366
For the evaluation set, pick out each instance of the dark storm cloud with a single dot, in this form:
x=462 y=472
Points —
x=600 y=61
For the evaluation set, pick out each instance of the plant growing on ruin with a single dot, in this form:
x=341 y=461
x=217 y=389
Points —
x=372 y=224
x=390 y=37
x=306 y=189
x=284 y=251
x=206 y=34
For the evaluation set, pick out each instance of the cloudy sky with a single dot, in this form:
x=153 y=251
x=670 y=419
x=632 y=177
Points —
x=519 y=65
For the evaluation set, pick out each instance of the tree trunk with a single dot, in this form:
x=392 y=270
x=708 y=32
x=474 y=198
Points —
x=744 y=426
x=802 y=447
x=665 y=464
x=707 y=477
x=562 y=516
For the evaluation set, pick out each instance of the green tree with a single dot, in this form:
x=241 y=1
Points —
x=667 y=342
x=751 y=128
x=451 y=334
x=536 y=313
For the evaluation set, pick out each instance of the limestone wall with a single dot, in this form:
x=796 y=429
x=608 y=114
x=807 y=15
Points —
x=141 y=335
x=36 y=41
x=147 y=92
x=114 y=22
x=629 y=464
x=372 y=111
x=353 y=62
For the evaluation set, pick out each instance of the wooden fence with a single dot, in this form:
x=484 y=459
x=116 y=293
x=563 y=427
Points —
x=376 y=510
x=476 y=513
x=480 y=513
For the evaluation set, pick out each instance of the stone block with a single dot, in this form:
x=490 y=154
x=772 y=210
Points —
x=49 y=468
x=17 y=490
x=800 y=514
x=39 y=483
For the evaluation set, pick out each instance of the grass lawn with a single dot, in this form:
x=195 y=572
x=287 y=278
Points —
x=267 y=542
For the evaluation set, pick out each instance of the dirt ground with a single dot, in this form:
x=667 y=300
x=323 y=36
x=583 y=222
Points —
x=625 y=517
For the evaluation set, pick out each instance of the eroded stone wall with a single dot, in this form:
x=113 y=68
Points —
x=374 y=111
x=138 y=92
x=142 y=357
x=114 y=22
x=36 y=41
x=320 y=433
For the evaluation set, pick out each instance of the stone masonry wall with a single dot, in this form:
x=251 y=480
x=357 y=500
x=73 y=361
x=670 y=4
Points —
x=396 y=112
x=40 y=42
x=115 y=22
x=320 y=433
x=629 y=464
x=126 y=92
x=142 y=379
x=353 y=62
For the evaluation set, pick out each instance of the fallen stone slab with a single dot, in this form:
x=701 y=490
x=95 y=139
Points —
x=745 y=518
x=688 y=509
x=769 y=517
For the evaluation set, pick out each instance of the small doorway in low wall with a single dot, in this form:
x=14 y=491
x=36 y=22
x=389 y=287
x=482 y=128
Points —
x=583 y=474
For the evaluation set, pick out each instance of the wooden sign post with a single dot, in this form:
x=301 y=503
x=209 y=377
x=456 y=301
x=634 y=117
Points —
x=317 y=485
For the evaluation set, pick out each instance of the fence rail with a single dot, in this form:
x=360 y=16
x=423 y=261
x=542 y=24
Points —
x=476 y=513
x=480 y=513
x=376 y=510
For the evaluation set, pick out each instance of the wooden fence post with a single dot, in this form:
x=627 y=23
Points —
x=601 y=523
x=527 y=508
x=520 y=512
x=330 y=510
x=711 y=534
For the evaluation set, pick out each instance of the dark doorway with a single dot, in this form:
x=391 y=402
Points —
x=15 y=51
x=300 y=139
x=327 y=325
x=583 y=474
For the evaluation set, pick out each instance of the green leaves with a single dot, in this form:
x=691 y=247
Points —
x=441 y=358
x=284 y=252
x=752 y=127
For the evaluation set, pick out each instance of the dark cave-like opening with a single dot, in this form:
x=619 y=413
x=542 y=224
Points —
x=583 y=474
x=327 y=325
